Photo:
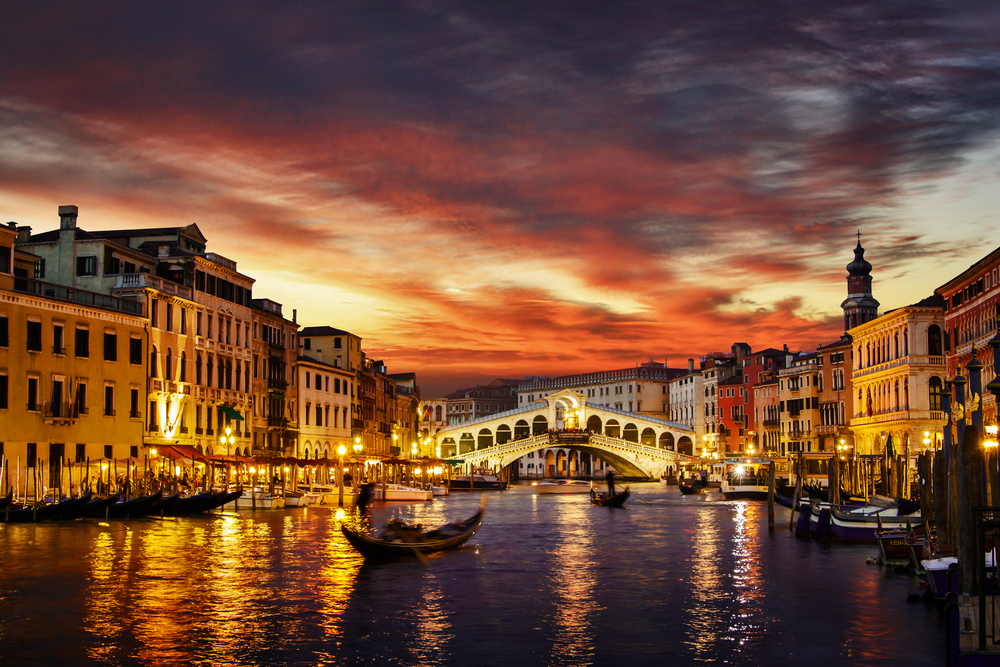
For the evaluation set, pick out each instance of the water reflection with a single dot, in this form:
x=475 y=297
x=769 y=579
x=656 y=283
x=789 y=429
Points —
x=749 y=623
x=704 y=623
x=574 y=586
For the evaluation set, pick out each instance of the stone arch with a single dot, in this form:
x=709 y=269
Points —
x=562 y=469
x=521 y=429
x=631 y=432
x=539 y=425
x=573 y=465
x=685 y=446
x=594 y=424
x=503 y=434
x=648 y=437
x=200 y=450
x=550 y=463
x=466 y=443
x=484 y=439
x=612 y=429
x=667 y=440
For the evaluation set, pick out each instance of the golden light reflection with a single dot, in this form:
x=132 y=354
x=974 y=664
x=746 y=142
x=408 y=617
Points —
x=430 y=641
x=341 y=564
x=574 y=589
x=750 y=621
x=704 y=622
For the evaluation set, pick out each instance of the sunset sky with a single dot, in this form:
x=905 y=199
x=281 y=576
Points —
x=500 y=189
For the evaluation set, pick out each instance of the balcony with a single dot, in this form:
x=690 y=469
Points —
x=38 y=288
x=274 y=383
x=58 y=412
x=277 y=422
x=139 y=281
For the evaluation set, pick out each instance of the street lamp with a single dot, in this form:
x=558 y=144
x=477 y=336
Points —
x=341 y=450
x=227 y=440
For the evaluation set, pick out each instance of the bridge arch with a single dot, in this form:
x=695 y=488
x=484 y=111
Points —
x=521 y=429
x=503 y=434
x=539 y=425
x=631 y=432
x=485 y=439
x=594 y=424
x=667 y=441
x=466 y=443
x=648 y=437
x=685 y=446
x=612 y=429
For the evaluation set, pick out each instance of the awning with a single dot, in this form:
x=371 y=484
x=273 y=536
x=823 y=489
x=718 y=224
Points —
x=180 y=452
x=231 y=413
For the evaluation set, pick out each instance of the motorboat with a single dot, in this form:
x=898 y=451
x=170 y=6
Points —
x=745 y=478
x=400 y=492
x=936 y=570
x=562 y=486
x=259 y=499
x=480 y=481
x=438 y=490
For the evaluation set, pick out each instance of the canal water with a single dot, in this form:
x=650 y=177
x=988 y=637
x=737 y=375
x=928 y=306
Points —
x=549 y=580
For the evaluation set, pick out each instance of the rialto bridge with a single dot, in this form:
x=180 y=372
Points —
x=636 y=445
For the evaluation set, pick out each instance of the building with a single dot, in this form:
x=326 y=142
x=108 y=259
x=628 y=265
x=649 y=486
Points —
x=642 y=389
x=72 y=375
x=481 y=401
x=323 y=408
x=275 y=351
x=767 y=415
x=970 y=321
x=433 y=416
x=407 y=415
x=836 y=405
x=342 y=349
x=898 y=379
x=198 y=310
x=798 y=393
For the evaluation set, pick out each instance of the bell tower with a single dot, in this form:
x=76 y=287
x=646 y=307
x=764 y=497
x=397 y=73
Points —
x=859 y=306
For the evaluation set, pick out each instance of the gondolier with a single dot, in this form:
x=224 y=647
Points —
x=610 y=477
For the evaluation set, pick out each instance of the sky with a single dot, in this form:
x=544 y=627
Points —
x=502 y=189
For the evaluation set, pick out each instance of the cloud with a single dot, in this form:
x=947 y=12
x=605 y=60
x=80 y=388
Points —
x=522 y=187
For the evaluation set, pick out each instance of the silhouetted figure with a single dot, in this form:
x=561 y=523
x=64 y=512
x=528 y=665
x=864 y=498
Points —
x=365 y=497
x=610 y=477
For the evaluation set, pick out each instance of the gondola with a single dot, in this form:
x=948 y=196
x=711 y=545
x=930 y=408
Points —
x=390 y=545
x=696 y=487
x=95 y=508
x=6 y=500
x=44 y=512
x=613 y=500
x=164 y=504
x=135 y=507
x=199 y=502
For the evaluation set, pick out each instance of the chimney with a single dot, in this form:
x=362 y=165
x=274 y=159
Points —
x=23 y=234
x=67 y=217
x=785 y=347
x=319 y=355
x=163 y=251
x=295 y=315
x=690 y=365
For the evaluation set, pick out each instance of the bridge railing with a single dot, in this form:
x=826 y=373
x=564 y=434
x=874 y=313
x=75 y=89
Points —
x=634 y=447
x=531 y=442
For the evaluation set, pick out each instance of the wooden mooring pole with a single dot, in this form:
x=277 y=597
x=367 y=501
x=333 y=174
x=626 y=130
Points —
x=770 y=497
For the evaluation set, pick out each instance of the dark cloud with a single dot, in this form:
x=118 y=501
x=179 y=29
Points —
x=624 y=146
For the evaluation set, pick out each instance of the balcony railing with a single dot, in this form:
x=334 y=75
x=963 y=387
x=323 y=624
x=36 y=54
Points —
x=59 y=410
x=134 y=281
x=39 y=288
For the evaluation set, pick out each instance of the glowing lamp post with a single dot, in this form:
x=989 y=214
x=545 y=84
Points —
x=340 y=472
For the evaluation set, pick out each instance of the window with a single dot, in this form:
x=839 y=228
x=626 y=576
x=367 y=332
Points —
x=154 y=311
x=4 y=332
x=34 y=341
x=82 y=343
x=86 y=265
x=152 y=363
x=170 y=316
x=133 y=403
x=4 y=400
x=109 y=452
x=935 y=389
x=110 y=346
x=32 y=453
x=81 y=452
x=135 y=351
x=336 y=343
x=58 y=345
x=109 y=400
x=307 y=380
x=5 y=263
x=81 y=398
x=32 y=394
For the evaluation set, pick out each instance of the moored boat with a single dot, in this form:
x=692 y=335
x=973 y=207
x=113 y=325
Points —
x=400 y=492
x=693 y=486
x=561 y=486
x=135 y=507
x=45 y=512
x=401 y=541
x=480 y=481
x=745 y=478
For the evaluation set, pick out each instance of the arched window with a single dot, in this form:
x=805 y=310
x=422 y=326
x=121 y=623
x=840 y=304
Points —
x=895 y=396
x=183 y=366
x=208 y=375
x=895 y=353
x=934 y=347
x=152 y=363
x=167 y=363
x=197 y=369
x=934 y=388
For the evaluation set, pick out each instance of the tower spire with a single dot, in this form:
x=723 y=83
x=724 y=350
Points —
x=859 y=306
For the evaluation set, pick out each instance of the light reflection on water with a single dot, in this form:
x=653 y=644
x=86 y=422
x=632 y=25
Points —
x=548 y=581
